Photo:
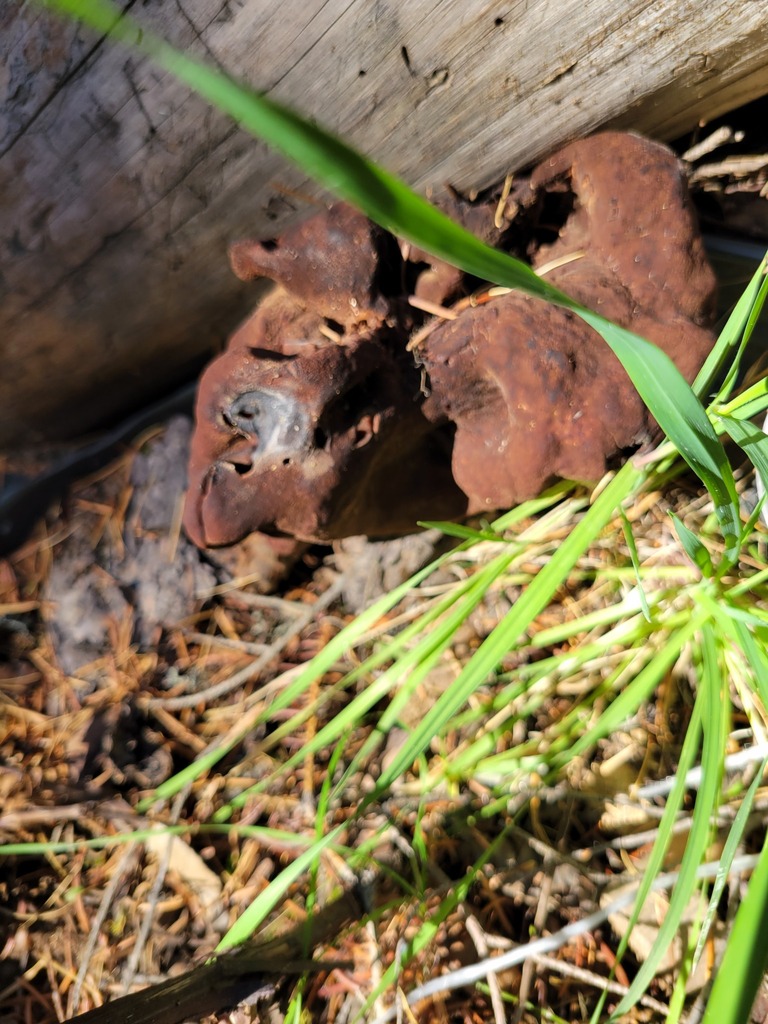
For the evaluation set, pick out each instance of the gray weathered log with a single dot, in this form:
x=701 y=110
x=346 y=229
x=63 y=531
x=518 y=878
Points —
x=119 y=191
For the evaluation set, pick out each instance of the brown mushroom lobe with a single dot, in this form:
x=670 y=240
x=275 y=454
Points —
x=317 y=422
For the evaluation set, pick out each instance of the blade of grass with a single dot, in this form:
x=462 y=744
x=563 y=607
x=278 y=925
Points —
x=623 y=612
x=321 y=663
x=734 y=335
x=629 y=537
x=752 y=441
x=688 y=754
x=507 y=633
x=344 y=641
x=265 y=834
x=713 y=698
x=462 y=532
x=630 y=698
x=749 y=403
x=755 y=515
x=256 y=912
x=745 y=961
x=415 y=662
x=732 y=842
x=682 y=418
x=693 y=546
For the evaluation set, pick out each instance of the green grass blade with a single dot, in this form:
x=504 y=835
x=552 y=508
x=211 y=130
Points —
x=623 y=612
x=693 y=546
x=260 y=832
x=749 y=403
x=321 y=663
x=630 y=699
x=507 y=633
x=750 y=524
x=462 y=532
x=682 y=418
x=712 y=697
x=752 y=441
x=732 y=842
x=734 y=335
x=629 y=537
x=686 y=761
x=554 y=495
x=746 y=956
x=268 y=898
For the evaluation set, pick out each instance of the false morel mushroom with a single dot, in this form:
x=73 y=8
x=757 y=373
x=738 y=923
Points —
x=343 y=407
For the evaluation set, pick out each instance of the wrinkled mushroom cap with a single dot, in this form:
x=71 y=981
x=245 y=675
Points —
x=316 y=441
x=319 y=423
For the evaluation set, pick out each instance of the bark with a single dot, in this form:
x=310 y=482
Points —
x=251 y=973
x=119 y=191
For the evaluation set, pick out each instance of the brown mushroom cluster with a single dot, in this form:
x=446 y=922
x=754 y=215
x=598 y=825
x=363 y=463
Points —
x=343 y=406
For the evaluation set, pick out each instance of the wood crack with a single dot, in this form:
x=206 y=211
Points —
x=59 y=87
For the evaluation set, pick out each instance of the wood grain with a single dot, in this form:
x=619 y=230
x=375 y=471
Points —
x=119 y=191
